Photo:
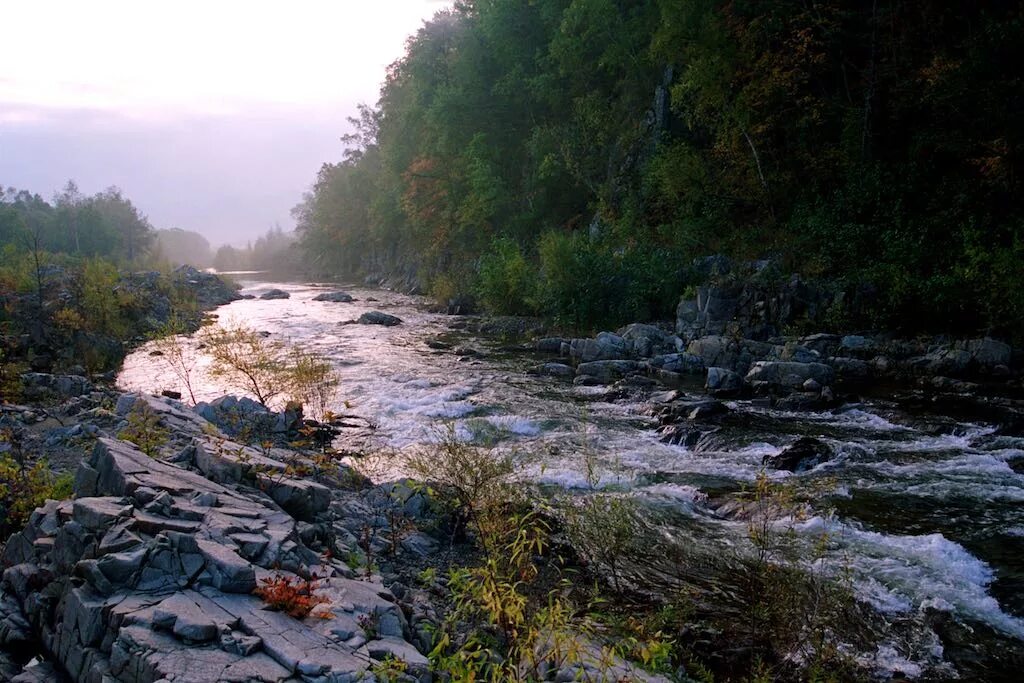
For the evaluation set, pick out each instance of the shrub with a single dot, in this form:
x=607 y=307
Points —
x=25 y=487
x=604 y=529
x=473 y=481
x=586 y=284
x=144 y=429
x=294 y=596
x=506 y=283
x=314 y=383
x=175 y=352
x=268 y=369
x=247 y=360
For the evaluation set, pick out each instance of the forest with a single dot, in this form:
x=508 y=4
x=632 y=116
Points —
x=571 y=158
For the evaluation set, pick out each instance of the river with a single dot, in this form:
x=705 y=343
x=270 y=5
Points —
x=924 y=511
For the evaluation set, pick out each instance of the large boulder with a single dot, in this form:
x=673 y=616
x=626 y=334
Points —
x=647 y=340
x=722 y=382
x=606 y=346
x=789 y=375
x=275 y=294
x=208 y=289
x=726 y=352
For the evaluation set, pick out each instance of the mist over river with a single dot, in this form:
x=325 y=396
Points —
x=925 y=512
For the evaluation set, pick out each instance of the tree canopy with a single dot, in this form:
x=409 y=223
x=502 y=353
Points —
x=605 y=144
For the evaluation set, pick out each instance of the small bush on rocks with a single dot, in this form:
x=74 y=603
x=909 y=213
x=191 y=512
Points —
x=144 y=430
x=24 y=487
x=295 y=597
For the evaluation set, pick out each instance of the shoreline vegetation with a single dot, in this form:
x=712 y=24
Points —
x=497 y=579
x=573 y=158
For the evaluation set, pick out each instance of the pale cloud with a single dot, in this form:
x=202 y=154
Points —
x=212 y=116
x=212 y=56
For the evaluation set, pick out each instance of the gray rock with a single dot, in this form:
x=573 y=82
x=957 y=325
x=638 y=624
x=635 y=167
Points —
x=334 y=297
x=606 y=346
x=99 y=513
x=647 y=340
x=275 y=294
x=850 y=368
x=678 y=363
x=804 y=454
x=301 y=498
x=988 y=353
x=605 y=371
x=550 y=345
x=556 y=370
x=723 y=382
x=790 y=375
x=378 y=318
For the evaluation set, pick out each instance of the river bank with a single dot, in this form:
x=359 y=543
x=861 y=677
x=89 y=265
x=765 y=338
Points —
x=917 y=491
x=915 y=503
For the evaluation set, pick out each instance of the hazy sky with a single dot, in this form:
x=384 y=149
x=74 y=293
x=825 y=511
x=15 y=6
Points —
x=210 y=115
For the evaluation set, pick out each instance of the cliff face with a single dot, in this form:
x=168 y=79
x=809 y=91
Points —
x=149 y=573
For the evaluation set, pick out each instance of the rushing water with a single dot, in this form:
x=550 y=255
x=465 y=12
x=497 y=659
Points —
x=926 y=511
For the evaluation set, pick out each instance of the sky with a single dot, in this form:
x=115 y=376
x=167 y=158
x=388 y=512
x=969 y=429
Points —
x=210 y=115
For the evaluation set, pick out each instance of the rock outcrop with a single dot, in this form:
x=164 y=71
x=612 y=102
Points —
x=149 y=573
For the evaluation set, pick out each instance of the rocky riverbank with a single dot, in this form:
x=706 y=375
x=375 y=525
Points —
x=149 y=572
x=164 y=565
x=74 y=323
x=735 y=340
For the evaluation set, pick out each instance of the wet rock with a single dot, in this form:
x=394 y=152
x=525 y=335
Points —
x=647 y=340
x=378 y=318
x=605 y=371
x=722 y=382
x=275 y=294
x=556 y=370
x=788 y=375
x=606 y=346
x=168 y=393
x=551 y=344
x=807 y=400
x=804 y=454
x=334 y=297
x=850 y=368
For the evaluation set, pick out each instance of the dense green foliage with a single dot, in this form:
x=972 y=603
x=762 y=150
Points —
x=106 y=224
x=77 y=279
x=587 y=149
